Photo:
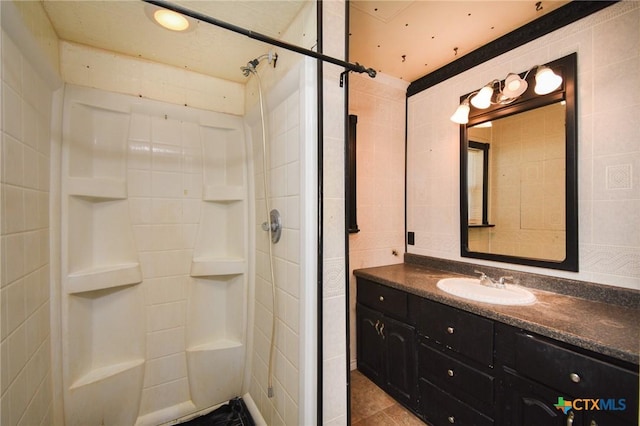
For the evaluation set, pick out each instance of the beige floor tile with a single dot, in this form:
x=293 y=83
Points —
x=371 y=406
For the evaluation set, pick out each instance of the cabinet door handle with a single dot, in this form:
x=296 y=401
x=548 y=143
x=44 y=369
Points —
x=570 y=418
x=575 y=378
x=381 y=329
x=450 y=330
x=451 y=419
x=376 y=327
x=593 y=423
x=450 y=373
x=381 y=298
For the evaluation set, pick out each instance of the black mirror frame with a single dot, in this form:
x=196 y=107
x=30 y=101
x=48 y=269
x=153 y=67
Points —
x=567 y=68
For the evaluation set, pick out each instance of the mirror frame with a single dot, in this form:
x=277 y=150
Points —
x=567 y=68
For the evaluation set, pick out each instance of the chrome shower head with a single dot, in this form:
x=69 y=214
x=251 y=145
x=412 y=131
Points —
x=251 y=65
x=247 y=70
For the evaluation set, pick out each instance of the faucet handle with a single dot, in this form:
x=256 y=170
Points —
x=482 y=274
x=502 y=279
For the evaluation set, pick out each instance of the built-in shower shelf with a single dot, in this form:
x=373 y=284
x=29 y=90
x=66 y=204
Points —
x=103 y=277
x=97 y=187
x=223 y=193
x=106 y=372
x=212 y=266
x=216 y=345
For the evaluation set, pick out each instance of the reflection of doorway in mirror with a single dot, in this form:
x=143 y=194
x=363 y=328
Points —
x=474 y=185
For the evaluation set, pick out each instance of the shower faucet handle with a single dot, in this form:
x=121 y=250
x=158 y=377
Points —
x=276 y=225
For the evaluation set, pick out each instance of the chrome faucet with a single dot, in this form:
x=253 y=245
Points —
x=489 y=282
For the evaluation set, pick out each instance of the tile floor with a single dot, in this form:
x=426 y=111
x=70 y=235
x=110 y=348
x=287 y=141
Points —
x=371 y=406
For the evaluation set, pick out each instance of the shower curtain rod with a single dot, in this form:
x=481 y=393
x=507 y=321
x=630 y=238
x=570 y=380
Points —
x=261 y=37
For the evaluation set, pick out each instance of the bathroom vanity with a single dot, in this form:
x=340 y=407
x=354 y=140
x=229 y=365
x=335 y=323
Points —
x=455 y=361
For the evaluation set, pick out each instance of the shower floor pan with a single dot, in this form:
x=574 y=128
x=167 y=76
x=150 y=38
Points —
x=234 y=413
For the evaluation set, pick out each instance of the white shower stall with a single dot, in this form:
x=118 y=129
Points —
x=164 y=290
x=135 y=279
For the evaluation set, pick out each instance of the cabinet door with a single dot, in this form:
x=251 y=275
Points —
x=369 y=343
x=400 y=361
x=606 y=418
x=530 y=404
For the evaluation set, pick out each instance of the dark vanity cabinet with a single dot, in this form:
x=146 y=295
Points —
x=541 y=374
x=386 y=341
x=453 y=367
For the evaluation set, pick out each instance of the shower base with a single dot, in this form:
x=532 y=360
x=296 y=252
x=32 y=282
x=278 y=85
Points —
x=234 y=413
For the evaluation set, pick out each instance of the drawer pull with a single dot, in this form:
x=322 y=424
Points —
x=376 y=327
x=382 y=328
x=450 y=330
x=451 y=419
x=570 y=418
x=574 y=377
x=450 y=373
x=381 y=298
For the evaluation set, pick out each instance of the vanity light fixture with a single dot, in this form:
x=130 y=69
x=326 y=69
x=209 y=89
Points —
x=461 y=116
x=546 y=81
x=507 y=91
x=483 y=99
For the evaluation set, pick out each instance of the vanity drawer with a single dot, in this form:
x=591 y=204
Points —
x=454 y=376
x=382 y=298
x=441 y=408
x=576 y=374
x=463 y=332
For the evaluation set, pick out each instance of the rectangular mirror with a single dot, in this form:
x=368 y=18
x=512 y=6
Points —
x=518 y=178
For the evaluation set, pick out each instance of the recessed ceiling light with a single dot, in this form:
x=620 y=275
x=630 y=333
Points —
x=171 y=20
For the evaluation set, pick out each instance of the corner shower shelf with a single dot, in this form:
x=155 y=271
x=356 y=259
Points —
x=102 y=373
x=216 y=345
x=223 y=193
x=211 y=266
x=103 y=277
x=97 y=187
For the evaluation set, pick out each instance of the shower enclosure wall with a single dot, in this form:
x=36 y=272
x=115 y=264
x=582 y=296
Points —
x=164 y=306
x=154 y=258
x=155 y=245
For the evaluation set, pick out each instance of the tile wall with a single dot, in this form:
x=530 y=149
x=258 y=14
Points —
x=334 y=360
x=164 y=178
x=26 y=390
x=379 y=104
x=608 y=146
x=283 y=164
x=90 y=67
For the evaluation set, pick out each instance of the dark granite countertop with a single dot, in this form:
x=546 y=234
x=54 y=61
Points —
x=604 y=328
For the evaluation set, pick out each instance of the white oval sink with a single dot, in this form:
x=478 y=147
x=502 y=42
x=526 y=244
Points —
x=470 y=288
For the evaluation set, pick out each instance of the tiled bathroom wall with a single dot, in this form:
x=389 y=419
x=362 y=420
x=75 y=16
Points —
x=26 y=389
x=284 y=193
x=379 y=104
x=334 y=361
x=91 y=67
x=164 y=174
x=608 y=149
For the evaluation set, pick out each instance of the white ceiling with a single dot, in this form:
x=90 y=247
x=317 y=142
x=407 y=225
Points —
x=123 y=27
x=404 y=39
x=409 y=39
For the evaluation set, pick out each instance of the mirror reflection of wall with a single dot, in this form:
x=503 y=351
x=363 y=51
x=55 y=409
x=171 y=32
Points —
x=527 y=185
